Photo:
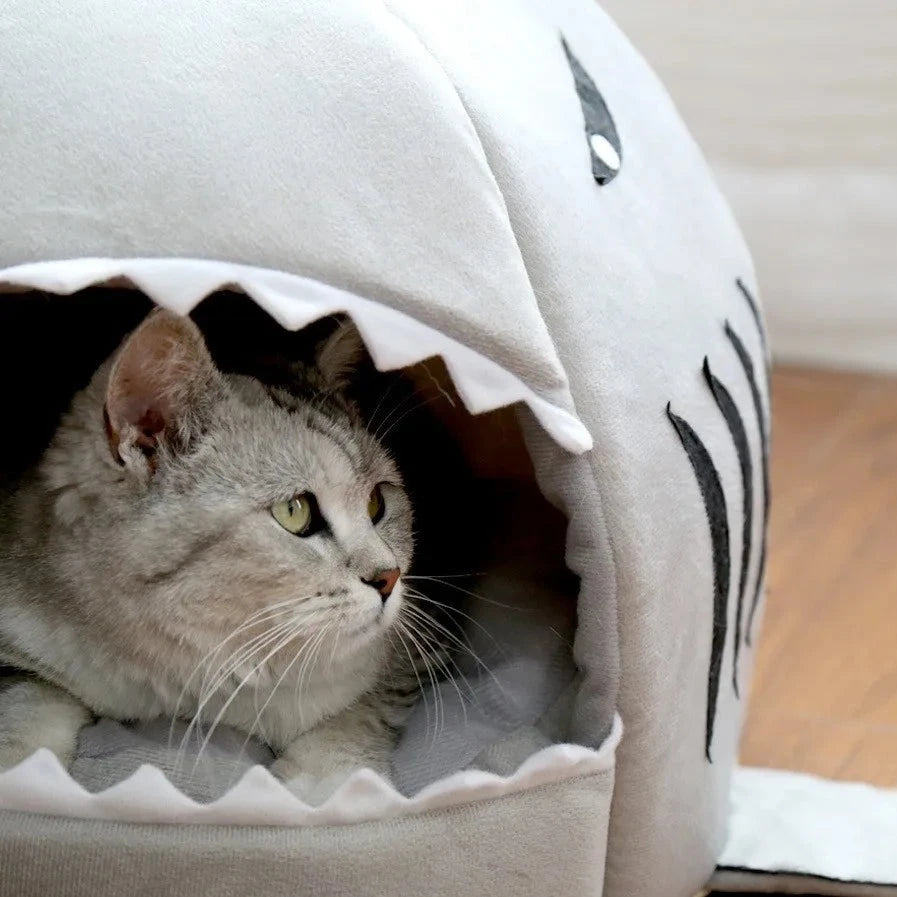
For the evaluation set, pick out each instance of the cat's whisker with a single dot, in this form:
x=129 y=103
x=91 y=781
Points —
x=427 y=621
x=272 y=635
x=401 y=631
x=314 y=660
x=206 y=691
x=420 y=613
x=417 y=407
x=395 y=381
x=439 y=660
x=284 y=641
x=195 y=726
x=292 y=634
x=265 y=615
x=339 y=626
x=434 y=690
x=260 y=616
x=410 y=397
x=258 y=722
x=388 y=424
x=307 y=665
x=240 y=656
x=277 y=684
x=420 y=685
x=454 y=638
x=453 y=673
x=440 y=580
x=419 y=596
x=432 y=677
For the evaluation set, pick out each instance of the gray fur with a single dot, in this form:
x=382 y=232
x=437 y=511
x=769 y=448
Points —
x=123 y=566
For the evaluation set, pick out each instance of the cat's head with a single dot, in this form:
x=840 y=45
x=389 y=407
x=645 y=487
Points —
x=193 y=502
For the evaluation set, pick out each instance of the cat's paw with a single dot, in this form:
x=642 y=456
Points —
x=311 y=789
x=35 y=714
x=13 y=752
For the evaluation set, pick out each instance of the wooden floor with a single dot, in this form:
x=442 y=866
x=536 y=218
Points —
x=824 y=696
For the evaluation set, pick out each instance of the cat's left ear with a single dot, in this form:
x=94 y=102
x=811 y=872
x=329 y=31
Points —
x=159 y=389
x=339 y=355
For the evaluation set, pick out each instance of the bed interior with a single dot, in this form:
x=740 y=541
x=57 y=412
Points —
x=493 y=544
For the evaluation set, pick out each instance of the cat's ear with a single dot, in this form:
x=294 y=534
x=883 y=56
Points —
x=339 y=355
x=158 y=386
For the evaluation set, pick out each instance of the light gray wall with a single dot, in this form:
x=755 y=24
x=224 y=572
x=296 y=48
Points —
x=795 y=105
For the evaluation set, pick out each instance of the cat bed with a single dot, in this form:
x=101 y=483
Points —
x=504 y=188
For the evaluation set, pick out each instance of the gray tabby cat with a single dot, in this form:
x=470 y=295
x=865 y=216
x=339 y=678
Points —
x=195 y=543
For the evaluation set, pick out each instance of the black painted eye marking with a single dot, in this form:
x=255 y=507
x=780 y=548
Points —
x=730 y=412
x=601 y=132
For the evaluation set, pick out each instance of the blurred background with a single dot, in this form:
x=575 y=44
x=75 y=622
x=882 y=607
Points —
x=795 y=106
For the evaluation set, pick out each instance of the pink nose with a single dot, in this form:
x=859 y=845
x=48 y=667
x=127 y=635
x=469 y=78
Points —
x=384 y=581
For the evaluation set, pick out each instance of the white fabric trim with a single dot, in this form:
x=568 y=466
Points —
x=40 y=784
x=394 y=339
x=803 y=826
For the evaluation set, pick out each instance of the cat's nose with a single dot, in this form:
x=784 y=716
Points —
x=384 y=581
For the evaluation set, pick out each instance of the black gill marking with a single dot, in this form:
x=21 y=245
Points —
x=755 y=311
x=748 y=366
x=601 y=132
x=729 y=410
x=718 y=520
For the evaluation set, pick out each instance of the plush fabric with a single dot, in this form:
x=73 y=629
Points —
x=634 y=280
x=109 y=752
x=430 y=157
x=510 y=846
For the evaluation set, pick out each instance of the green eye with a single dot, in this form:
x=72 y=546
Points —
x=376 y=505
x=296 y=515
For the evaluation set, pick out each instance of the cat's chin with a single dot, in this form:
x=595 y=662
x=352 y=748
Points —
x=353 y=641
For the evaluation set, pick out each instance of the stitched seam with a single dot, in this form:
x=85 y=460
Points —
x=592 y=463
x=422 y=44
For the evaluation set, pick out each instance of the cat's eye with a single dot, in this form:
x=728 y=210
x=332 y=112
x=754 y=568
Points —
x=376 y=505
x=297 y=515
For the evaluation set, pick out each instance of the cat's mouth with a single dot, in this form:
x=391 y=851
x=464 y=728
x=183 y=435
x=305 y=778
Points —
x=375 y=624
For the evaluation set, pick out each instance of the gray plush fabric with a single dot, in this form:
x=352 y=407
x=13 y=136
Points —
x=527 y=663
x=635 y=281
x=109 y=752
x=430 y=156
x=546 y=841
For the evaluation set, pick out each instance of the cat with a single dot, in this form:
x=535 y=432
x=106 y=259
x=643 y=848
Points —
x=203 y=545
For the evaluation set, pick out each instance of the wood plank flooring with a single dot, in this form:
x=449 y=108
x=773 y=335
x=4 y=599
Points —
x=824 y=696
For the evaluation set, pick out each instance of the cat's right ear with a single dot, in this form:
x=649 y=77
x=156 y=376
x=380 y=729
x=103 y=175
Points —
x=339 y=355
x=159 y=385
